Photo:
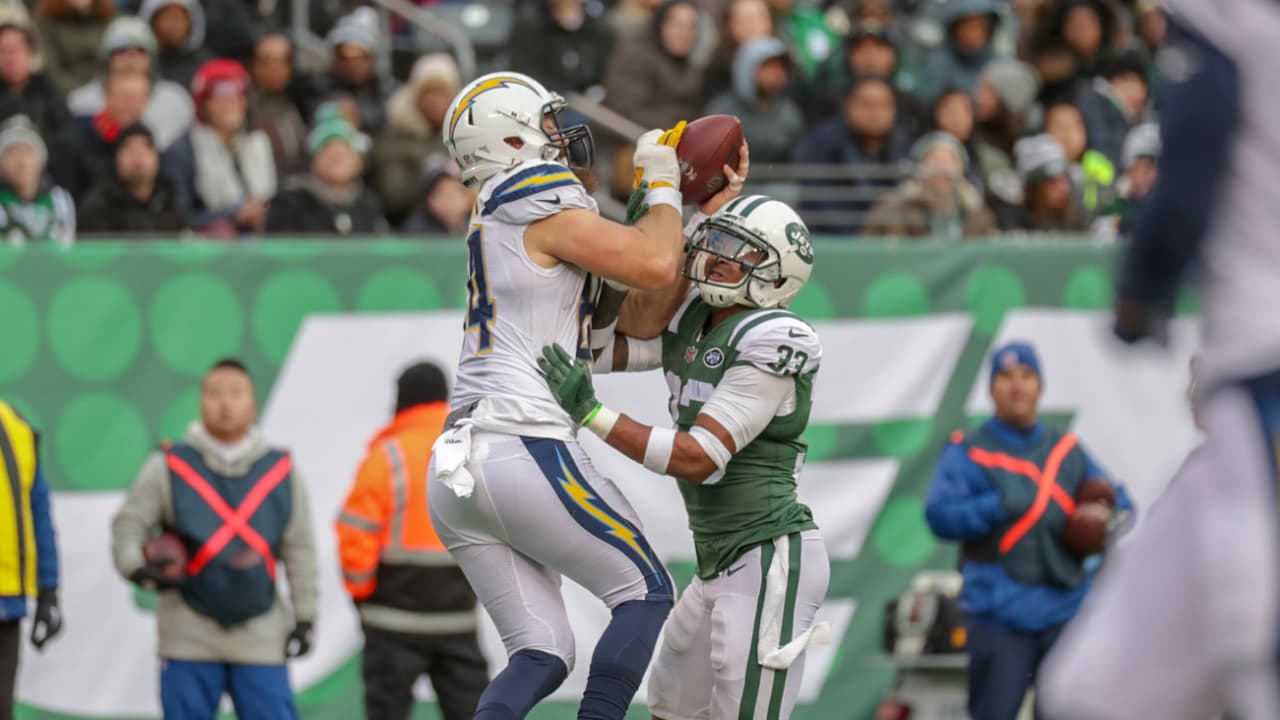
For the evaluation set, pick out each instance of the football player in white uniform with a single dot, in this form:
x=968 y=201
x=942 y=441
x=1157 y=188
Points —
x=518 y=502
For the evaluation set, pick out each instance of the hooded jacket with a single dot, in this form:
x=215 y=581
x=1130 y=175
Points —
x=410 y=140
x=180 y=65
x=951 y=66
x=185 y=634
x=771 y=126
x=649 y=86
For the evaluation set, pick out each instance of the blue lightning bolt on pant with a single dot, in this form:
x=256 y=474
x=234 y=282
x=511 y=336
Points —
x=540 y=510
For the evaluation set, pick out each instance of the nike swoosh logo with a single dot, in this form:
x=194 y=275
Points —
x=551 y=201
x=731 y=571
x=791 y=332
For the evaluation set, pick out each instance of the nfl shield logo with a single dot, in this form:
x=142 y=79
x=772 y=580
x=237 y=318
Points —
x=690 y=353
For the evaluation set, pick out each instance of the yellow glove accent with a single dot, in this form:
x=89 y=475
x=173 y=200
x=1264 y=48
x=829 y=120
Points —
x=671 y=138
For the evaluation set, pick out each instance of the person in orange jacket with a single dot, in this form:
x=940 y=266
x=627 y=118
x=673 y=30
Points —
x=416 y=608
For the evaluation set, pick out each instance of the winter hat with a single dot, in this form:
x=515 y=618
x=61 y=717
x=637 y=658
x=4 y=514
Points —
x=124 y=33
x=330 y=127
x=218 y=77
x=937 y=137
x=1143 y=141
x=134 y=130
x=360 y=28
x=1015 y=82
x=19 y=130
x=421 y=383
x=435 y=70
x=1039 y=157
x=1013 y=354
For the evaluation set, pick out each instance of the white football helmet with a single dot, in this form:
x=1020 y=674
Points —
x=767 y=241
x=498 y=106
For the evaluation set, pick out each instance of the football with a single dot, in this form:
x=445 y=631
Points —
x=1086 y=530
x=1095 y=490
x=167 y=548
x=707 y=145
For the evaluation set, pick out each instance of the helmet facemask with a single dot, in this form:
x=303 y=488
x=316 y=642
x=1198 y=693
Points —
x=571 y=145
x=725 y=260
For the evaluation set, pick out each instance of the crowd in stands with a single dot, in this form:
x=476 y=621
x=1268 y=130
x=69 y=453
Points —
x=905 y=118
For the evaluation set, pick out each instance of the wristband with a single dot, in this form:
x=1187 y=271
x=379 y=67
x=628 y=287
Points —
x=664 y=196
x=601 y=420
x=657 y=453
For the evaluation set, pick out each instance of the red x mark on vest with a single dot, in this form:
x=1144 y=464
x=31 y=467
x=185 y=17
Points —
x=235 y=522
x=1046 y=481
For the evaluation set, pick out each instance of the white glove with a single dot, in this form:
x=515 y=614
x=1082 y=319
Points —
x=655 y=162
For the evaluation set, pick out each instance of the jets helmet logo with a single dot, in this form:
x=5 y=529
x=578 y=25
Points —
x=798 y=236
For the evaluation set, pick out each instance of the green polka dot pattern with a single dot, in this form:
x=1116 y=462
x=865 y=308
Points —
x=813 y=302
x=900 y=536
x=196 y=320
x=992 y=291
x=895 y=295
x=1088 y=289
x=95 y=328
x=179 y=413
x=281 y=305
x=21 y=333
x=398 y=289
x=99 y=443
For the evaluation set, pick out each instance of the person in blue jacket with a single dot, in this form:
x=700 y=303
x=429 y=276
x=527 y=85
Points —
x=1005 y=491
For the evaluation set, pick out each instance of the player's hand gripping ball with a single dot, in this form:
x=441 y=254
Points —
x=707 y=146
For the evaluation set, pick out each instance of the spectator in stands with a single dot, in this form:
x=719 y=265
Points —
x=803 y=27
x=1141 y=158
x=32 y=209
x=1048 y=203
x=868 y=51
x=70 y=34
x=231 y=29
x=23 y=91
x=445 y=205
x=771 y=121
x=240 y=507
x=741 y=22
x=1021 y=582
x=331 y=199
x=630 y=17
x=28 y=552
x=969 y=25
x=273 y=107
x=936 y=202
x=864 y=138
x=353 y=43
x=954 y=115
x=129 y=46
x=1006 y=91
x=414 y=134
x=224 y=174
x=1072 y=42
x=417 y=610
x=572 y=46
x=1092 y=174
x=650 y=79
x=1115 y=102
x=135 y=199
x=83 y=151
x=179 y=29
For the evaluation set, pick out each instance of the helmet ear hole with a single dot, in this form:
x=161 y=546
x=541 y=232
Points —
x=514 y=142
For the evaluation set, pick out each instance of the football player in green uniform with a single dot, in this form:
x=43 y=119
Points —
x=740 y=368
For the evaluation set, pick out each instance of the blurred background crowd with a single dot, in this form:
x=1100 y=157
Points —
x=235 y=119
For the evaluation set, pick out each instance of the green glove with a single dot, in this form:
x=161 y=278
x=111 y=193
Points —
x=636 y=206
x=570 y=382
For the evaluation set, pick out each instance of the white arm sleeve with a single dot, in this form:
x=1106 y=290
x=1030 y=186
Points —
x=641 y=355
x=747 y=399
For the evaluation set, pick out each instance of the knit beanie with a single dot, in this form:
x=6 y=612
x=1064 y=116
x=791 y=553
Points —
x=1039 y=157
x=126 y=32
x=1015 y=82
x=1012 y=355
x=1143 y=141
x=331 y=127
x=18 y=130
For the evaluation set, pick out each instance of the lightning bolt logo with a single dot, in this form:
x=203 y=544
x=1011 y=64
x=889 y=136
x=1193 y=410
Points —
x=582 y=497
x=481 y=87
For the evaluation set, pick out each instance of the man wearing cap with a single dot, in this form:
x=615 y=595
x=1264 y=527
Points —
x=416 y=608
x=937 y=201
x=32 y=209
x=989 y=492
x=331 y=199
x=135 y=199
x=1047 y=202
x=129 y=45
x=224 y=174
x=354 y=42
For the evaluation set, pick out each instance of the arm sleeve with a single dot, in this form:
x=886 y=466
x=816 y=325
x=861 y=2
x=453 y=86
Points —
x=298 y=551
x=361 y=522
x=46 y=537
x=746 y=400
x=143 y=510
x=961 y=504
x=1197 y=145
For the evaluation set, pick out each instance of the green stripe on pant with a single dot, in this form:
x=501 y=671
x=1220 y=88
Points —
x=794 y=544
x=751 y=686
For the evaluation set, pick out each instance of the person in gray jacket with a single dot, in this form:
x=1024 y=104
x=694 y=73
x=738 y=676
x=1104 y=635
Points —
x=238 y=507
x=771 y=121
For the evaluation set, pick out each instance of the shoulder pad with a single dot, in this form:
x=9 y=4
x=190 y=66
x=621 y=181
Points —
x=777 y=342
x=533 y=192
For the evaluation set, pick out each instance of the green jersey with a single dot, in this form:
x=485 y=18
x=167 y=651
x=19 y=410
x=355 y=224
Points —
x=754 y=500
x=49 y=218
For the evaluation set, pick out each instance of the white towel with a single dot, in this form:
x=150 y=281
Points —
x=769 y=652
x=451 y=452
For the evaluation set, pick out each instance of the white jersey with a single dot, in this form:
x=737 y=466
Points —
x=516 y=307
x=1242 y=252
